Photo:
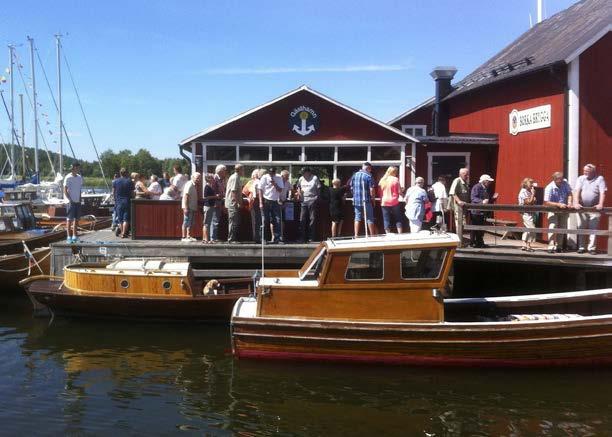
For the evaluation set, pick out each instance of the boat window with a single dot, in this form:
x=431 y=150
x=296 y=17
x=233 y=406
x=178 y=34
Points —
x=314 y=269
x=167 y=285
x=365 y=265
x=124 y=283
x=422 y=264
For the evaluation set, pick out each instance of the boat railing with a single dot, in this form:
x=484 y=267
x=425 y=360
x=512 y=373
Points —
x=503 y=226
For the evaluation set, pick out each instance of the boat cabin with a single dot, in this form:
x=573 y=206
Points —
x=393 y=278
x=16 y=217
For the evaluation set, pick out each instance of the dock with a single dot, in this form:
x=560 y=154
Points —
x=502 y=261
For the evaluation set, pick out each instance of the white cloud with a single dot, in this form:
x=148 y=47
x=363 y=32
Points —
x=329 y=69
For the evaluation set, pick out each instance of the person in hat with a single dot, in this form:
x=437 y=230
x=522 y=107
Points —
x=73 y=184
x=480 y=194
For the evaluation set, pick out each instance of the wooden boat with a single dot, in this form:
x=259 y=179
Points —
x=18 y=225
x=87 y=223
x=15 y=267
x=151 y=289
x=379 y=299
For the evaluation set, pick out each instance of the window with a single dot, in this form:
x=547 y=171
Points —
x=314 y=269
x=365 y=265
x=416 y=130
x=392 y=153
x=221 y=153
x=348 y=153
x=286 y=153
x=319 y=153
x=249 y=153
x=422 y=264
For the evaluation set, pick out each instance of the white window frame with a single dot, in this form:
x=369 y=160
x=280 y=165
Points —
x=411 y=163
x=430 y=155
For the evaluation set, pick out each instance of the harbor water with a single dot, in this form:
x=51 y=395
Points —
x=100 y=377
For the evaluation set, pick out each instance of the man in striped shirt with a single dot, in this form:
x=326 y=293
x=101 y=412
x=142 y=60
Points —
x=558 y=193
x=363 y=186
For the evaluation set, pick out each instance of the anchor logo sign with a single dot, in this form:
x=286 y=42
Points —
x=303 y=120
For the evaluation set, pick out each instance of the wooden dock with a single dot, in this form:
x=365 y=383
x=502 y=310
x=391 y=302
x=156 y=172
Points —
x=223 y=257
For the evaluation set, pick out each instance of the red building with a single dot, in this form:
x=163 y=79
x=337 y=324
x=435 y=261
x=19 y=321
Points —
x=542 y=103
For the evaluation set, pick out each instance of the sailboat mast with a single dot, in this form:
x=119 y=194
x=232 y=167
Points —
x=23 y=156
x=34 y=98
x=12 y=88
x=59 y=104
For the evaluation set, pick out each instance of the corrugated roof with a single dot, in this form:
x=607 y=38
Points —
x=558 y=39
x=454 y=138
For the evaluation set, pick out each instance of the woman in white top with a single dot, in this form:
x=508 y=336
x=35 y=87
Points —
x=527 y=197
x=155 y=189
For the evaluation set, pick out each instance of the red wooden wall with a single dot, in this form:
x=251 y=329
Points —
x=536 y=154
x=596 y=114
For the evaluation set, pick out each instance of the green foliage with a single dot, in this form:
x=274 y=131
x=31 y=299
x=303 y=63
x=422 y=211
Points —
x=141 y=162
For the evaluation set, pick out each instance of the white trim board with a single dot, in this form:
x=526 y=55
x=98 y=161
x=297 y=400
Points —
x=290 y=93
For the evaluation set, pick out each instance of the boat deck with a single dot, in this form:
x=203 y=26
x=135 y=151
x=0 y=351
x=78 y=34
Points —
x=103 y=244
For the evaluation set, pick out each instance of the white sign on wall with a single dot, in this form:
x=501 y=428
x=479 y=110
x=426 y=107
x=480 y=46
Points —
x=529 y=119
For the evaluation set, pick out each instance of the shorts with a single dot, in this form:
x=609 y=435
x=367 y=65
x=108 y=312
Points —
x=208 y=215
x=368 y=210
x=188 y=218
x=122 y=211
x=74 y=211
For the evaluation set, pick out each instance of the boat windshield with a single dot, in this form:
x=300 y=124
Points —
x=422 y=263
x=313 y=270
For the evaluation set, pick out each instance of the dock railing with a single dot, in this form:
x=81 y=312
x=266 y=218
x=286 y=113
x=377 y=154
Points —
x=463 y=210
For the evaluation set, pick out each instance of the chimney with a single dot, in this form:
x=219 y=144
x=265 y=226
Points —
x=443 y=77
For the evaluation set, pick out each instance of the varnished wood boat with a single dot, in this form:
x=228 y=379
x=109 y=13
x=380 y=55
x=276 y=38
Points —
x=18 y=225
x=15 y=267
x=379 y=300
x=149 y=289
x=87 y=223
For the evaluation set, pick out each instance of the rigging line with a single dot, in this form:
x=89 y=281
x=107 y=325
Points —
x=84 y=117
x=30 y=101
x=54 y=101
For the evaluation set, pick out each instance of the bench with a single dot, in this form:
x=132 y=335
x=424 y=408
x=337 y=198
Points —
x=502 y=224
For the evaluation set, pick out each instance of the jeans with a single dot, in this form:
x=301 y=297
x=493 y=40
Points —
x=214 y=225
x=272 y=215
x=233 y=222
x=392 y=216
x=588 y=220
x=256 y=221
x=308 y=221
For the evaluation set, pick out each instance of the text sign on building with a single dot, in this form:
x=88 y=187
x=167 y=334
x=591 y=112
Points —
x=303 y=120
x=529 y=119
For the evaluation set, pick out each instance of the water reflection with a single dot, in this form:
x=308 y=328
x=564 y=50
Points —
x=78 y=376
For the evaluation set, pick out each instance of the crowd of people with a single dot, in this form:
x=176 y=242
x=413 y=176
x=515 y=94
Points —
x=266 y=193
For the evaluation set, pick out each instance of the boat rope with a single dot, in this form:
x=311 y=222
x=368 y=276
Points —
x=25 y=268
x=93 y=143
x=54 y=102
x=31 y=102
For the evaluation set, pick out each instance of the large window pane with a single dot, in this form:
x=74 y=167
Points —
x=253 y=153
x=386 y=153
x=365 y=265
x=319 y=153
x=286 y=153
x=422 y=264
x=349 y=153
x=220 y=153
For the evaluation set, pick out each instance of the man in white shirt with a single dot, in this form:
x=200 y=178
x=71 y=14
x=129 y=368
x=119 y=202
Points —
x=179 y=179
x=73 y=184
x=270 y=187
x=189 y=204
x=439 y=191
x=590 y=191
x=233 y=202
x=308 y=190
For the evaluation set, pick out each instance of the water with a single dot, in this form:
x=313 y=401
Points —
x=101 y=377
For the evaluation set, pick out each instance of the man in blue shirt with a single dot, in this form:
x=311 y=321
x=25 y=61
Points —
x=363 y=186
x=480 y=194
x=558 y=193
x=123 y=190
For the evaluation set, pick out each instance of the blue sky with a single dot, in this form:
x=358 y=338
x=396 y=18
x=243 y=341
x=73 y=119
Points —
x=151 y=73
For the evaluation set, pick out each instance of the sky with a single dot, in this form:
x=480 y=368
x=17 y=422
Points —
x=151 y=73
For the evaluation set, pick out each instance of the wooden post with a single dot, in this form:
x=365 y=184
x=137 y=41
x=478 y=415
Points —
x=459 y=220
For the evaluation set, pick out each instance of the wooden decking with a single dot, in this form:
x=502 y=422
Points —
x=223 y=257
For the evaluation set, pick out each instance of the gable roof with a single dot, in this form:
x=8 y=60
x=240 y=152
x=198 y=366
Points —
x=558 y=39
x=211 y=131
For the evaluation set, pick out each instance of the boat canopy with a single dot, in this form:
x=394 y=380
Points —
x=390 y=241
x=161 y=266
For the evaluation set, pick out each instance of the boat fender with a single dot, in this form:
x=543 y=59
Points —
x=436 y=293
